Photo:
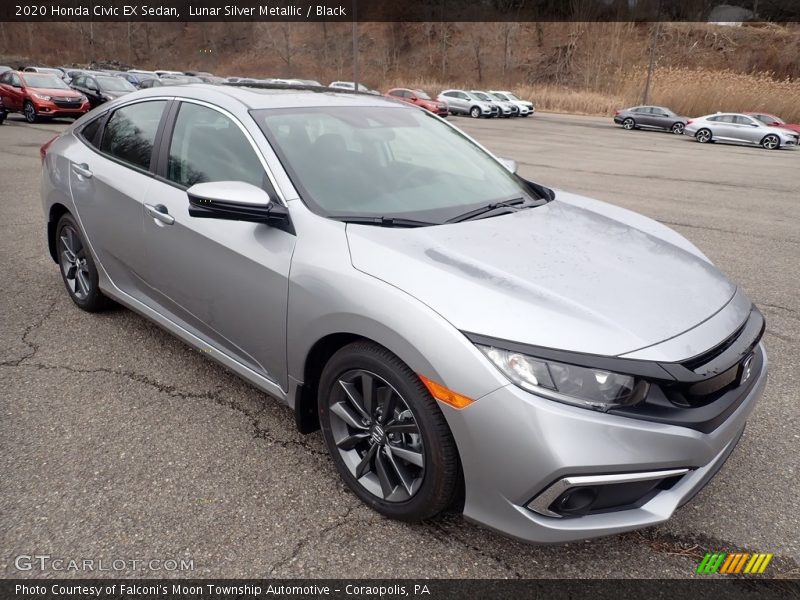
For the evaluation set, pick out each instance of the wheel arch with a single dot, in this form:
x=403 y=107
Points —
x=305 y=393
x=57 y=210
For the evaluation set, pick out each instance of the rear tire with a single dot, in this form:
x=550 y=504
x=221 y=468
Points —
x=474 y=112
x=677 y=128
x=703 y=136
x=771 y=142
x=628 y=124
x=385 y=433
x=77 y=267
x=29 y=110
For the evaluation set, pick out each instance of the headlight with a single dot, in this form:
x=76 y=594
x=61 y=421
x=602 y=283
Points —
x=40 y=96
x=589 y=388
x=83 y=98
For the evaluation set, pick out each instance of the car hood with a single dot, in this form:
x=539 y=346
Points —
x=56 y=92
x=574 y=274
x=794 y=127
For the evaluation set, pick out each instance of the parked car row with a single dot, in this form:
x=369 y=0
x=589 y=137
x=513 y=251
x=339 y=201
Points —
x=748 y=128
x=90 y=88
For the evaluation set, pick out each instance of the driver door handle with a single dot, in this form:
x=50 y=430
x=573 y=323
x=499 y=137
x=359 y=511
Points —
x=82 y=170
x=160 y=213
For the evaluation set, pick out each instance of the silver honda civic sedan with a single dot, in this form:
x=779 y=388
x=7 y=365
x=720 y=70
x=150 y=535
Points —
x=555 y=367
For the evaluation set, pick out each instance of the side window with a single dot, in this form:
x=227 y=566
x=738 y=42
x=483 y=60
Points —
x=208 y=146
x=450 y=94
x=131 y=131
x=396 y=93
x=16 y=81
x=743 y=120
x=89 y=131
x=80 y=81
x=5 y=78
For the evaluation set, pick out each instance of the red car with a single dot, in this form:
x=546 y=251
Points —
x=769 y=119
x=38 y=95
x=419 y=98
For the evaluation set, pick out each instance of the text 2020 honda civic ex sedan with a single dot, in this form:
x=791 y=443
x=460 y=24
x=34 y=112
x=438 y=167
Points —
x=561 y=367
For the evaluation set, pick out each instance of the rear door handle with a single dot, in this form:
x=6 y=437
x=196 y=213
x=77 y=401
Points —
x=160 y=213
x=82 y=170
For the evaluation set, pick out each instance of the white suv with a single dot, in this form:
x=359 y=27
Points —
x=525 y=108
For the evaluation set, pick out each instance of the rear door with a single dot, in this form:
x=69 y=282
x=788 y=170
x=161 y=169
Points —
x=225 y=281
x=109 y=179
x=643 y=115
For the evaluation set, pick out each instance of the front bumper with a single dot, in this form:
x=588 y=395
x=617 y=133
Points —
x=51 y=109
x=515 y=445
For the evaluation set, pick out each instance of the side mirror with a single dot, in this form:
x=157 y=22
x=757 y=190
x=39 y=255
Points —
x=510 y=164
x=234 y=201
x=413 y=98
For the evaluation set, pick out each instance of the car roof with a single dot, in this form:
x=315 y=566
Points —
x=269 y=96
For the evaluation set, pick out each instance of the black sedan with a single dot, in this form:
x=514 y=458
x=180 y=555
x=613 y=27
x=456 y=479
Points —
x=99 y=88
x=650 y=117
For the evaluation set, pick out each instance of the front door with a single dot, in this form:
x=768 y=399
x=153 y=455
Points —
x=225 y=281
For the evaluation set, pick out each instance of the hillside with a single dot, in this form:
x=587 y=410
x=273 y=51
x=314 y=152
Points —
x=583 y=67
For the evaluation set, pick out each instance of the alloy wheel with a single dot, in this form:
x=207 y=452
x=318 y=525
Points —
x=72 y=256
x=677 y=128
x=703 y=136
x=628 y=123
x=377 y=436
x=770 y=142
x=30 y=112
x=475 y=112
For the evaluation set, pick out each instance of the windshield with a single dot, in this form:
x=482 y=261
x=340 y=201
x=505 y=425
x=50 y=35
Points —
x=114 y=84
x=40 y=80
x=482 y=96
x=384 y=161
x=421 y=94
x=500 y=97
x=512 y=96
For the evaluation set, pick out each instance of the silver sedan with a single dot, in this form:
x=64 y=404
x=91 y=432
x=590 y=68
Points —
x=739 y=129
x=559 y=367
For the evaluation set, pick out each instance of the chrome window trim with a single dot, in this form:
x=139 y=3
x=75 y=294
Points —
x=541 y=504
x=264 y=164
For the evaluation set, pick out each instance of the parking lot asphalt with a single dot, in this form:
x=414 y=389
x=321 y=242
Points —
x=119 y=442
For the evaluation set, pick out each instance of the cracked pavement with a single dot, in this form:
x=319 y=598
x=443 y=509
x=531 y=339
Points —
x=118 y=441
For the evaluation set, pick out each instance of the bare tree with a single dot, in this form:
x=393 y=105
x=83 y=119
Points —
x=475 y=41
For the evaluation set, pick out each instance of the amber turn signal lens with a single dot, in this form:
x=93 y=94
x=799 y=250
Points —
x=447 y=396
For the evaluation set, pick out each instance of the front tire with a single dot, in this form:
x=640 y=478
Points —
x=771 y=142
x=29 y=110
x=386 y=434
x=628 y=123
x=77 y=267
x=703 y=136
x=474 y=112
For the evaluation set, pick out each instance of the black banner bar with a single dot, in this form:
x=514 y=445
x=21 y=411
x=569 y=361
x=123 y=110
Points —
x=400 y=10
x=730 y=588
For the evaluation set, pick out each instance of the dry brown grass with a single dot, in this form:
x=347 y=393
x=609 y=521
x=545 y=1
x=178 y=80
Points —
x=690 y=92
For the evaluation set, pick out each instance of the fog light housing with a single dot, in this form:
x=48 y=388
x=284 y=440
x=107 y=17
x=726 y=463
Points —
x=575 y=502
x=581 y=495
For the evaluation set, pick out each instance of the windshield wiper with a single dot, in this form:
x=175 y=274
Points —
x=384 y=221
x=513 y=203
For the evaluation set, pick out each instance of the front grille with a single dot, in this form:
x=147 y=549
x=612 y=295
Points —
x=66 y=104
x=709 y=355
